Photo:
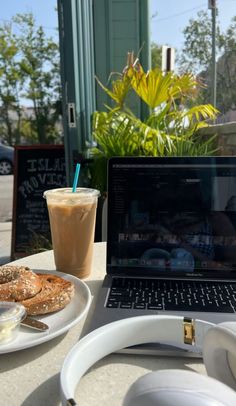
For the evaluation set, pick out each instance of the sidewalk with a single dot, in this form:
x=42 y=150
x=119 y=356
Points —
x=5 y=242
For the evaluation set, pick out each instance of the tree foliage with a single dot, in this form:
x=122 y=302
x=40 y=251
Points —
x=156 y=55
x=11 y=83
x=29 y=69
x=226 y=71
x=196 y=56
x=196 y=52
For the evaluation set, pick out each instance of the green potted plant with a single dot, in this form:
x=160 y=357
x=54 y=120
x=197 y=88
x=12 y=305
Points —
x=170 y=128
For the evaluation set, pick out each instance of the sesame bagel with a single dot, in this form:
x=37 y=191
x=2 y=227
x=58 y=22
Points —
x=55 y=294
x=18 y=283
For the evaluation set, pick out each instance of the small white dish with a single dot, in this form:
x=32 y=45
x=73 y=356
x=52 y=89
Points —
x=58 y=322
x=11 y=315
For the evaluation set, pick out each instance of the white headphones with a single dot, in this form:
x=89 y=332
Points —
x=166 y=387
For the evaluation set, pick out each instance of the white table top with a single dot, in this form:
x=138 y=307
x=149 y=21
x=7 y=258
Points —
x=30 y=377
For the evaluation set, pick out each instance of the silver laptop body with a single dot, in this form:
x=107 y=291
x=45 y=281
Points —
x=171 y=240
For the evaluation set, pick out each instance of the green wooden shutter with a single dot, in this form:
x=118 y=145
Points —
x=77 y=71
x=120 y=26
x=95 y=36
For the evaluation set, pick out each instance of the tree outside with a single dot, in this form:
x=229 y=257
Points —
x=29 y=73
x=196 y=55
x=156 y=53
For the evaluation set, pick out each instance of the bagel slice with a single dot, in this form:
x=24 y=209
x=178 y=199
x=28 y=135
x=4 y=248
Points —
x=18 y=283
x=54 y=295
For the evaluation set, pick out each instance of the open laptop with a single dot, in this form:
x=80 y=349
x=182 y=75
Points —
x=171 y=239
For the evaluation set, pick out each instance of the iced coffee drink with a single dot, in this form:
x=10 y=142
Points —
x=72 y=221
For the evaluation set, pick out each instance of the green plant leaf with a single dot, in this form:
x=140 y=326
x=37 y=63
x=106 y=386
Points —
x=171 y=129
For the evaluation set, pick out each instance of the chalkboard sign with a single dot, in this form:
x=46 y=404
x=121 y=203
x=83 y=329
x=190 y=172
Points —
x=37 y=168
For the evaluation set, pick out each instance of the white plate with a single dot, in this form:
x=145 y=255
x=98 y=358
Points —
x=58 y=322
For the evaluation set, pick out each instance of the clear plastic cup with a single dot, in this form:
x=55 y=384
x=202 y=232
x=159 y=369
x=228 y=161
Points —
x=11 y=315
x=72 y=218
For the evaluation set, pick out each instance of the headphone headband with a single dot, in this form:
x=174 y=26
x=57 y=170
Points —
x=178 y=331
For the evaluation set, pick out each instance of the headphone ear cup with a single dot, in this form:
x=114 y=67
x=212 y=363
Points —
x=178 y=388
x=219 y=353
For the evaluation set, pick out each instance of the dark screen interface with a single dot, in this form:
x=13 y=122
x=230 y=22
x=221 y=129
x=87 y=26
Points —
x=172 y=218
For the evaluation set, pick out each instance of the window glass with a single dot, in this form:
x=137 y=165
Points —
x=203 y=37
x=29 y=73
x=30 y=91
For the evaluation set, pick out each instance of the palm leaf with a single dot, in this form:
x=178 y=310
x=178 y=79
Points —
x=171 y=129
x=153 y=88
x=120 y=89
x=201 y=112
x=156 y=88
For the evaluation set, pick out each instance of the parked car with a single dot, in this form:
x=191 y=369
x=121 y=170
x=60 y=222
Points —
x=6 y=159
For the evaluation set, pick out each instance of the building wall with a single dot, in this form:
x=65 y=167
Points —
x=120 y=26
x=225 y=139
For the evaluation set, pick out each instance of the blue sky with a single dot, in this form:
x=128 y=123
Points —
x=173 y=15
x=166 y=26
x=168 y=17
x=43 y=11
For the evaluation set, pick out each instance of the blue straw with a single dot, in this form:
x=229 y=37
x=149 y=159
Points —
x=76 y=178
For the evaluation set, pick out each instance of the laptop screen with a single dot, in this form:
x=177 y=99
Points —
x=172 y=216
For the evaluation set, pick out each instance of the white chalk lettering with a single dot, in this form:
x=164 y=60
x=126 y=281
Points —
x=42 y=178
x=32 y=165
x=43 y=164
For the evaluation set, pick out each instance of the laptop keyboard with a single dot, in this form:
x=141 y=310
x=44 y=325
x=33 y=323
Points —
x=150 y=294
